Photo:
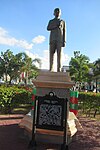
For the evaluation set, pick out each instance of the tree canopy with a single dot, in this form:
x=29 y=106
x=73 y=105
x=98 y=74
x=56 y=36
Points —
x=79 y=66
x=14 y=65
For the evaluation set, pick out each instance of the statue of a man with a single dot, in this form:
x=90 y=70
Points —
x=56 y=27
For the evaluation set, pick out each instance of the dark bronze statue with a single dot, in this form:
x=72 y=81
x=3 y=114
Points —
x=56 y=27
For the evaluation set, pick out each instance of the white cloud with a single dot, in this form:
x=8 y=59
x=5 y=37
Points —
x=39 y=39
x=65 y=58
x=45 y=59
x=31 y=55
x=6 y=39
x=24 y=44
x=2 y=32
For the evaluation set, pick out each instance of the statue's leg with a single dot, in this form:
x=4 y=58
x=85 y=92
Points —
x=58 y=57
x=52 y=51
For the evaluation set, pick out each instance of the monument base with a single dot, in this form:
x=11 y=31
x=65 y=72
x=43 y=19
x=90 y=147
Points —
x=50 y=136
x=57 y=82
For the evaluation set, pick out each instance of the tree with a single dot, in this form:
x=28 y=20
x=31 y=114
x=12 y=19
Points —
x=14 y=65
x=79 y=67
x=97 y=67
x=29 y=67
x=5 y=63
x=96 y=72
x=1 y=67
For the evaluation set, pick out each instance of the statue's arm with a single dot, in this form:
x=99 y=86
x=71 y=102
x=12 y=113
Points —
x=64 y=34
x=52 y=25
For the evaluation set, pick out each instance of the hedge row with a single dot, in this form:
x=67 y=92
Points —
x=89 y=102
x=11 y=97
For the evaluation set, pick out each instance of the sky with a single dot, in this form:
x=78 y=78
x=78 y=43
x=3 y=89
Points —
x=23 y=28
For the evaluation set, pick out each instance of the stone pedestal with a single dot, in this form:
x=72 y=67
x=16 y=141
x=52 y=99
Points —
x=57 y=82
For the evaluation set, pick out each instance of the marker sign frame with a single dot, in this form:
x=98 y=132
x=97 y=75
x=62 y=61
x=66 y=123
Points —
x=50 y=113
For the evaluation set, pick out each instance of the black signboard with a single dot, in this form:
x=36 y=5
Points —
x=50 y=112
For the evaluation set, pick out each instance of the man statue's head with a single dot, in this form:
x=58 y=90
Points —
x=57 y=12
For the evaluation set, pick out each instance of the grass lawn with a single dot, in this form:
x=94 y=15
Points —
x=21 y=109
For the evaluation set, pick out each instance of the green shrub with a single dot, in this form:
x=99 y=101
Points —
x=11 y=97
x=22 y=96
x=89 y=101
x=6 y=96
